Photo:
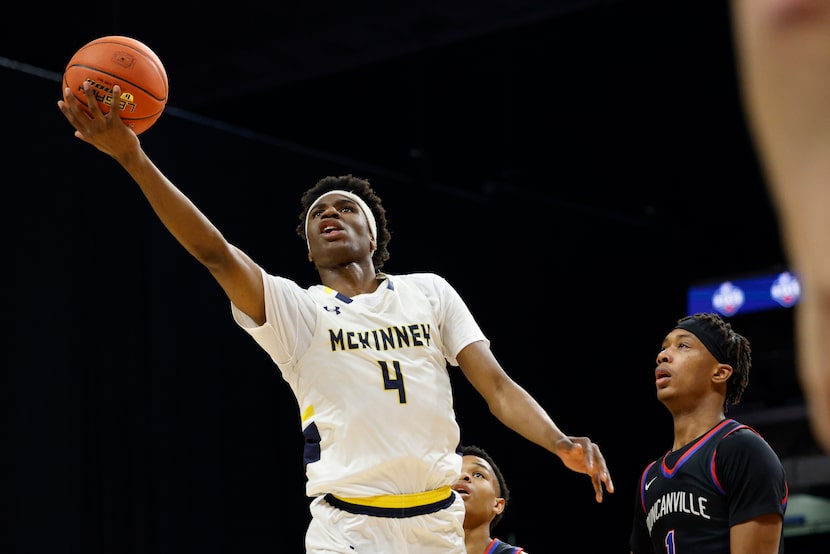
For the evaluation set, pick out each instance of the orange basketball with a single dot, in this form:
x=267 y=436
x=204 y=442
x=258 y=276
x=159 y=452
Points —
x=123 y=61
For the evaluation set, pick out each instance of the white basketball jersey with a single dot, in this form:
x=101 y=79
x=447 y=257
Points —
x=370 y=377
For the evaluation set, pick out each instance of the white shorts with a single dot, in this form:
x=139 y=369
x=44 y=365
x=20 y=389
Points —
x=333 y=530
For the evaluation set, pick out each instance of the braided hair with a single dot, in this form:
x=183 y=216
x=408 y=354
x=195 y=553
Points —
x=734 y=349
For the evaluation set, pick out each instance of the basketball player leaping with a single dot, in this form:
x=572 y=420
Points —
x=365 y=355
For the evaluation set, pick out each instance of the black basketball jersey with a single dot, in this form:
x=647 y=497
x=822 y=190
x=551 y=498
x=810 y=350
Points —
x=688 y=499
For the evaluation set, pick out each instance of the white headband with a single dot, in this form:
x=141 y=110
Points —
x=370 y=217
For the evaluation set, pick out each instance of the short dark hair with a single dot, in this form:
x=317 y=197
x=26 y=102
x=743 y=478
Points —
x=735 y=348
x=503 y=492
x=363 y=189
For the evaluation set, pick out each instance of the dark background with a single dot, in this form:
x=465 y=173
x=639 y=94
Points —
x=571 y=167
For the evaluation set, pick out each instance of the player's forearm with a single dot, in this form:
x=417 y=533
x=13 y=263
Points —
x=519 y=411
x=190 y=227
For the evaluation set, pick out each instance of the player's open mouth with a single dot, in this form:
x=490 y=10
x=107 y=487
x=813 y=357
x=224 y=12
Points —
x=461 y=489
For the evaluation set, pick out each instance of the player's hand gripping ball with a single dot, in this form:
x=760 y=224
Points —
x=124 y=61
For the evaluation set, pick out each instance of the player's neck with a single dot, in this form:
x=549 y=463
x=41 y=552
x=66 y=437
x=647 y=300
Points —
x=351 y=279
x=477 y=540
x=688 y=427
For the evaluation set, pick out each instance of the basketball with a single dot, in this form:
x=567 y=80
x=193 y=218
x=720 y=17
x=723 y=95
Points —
x=124 y=61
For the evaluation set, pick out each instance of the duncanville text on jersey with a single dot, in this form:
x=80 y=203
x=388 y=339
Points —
x=677 y=501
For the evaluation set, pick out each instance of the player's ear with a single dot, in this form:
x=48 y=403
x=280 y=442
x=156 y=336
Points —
x=722 y=373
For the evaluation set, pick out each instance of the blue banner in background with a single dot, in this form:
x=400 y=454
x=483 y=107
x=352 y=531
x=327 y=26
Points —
x=765 y=292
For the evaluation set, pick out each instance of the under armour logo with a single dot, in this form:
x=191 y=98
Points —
x=336 y=309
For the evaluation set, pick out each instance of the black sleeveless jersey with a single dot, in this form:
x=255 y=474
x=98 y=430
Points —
x=688 y=499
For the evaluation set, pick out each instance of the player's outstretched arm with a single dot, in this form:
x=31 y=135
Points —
x=519 y=411
x=238 y=275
